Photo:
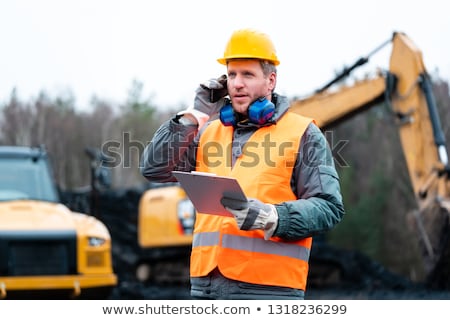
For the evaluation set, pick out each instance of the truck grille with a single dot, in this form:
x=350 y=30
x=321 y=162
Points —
x=29 y=253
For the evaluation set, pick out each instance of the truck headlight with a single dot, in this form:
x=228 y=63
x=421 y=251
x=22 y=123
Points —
x=95 y=241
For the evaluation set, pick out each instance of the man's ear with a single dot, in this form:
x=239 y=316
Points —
x=272 y=79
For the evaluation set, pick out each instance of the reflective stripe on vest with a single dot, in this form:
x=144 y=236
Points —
x=205 y=239
x=264 y=174
x=251 y=244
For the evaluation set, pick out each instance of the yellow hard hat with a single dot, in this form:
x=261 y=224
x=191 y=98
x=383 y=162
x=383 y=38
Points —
x=249 y=43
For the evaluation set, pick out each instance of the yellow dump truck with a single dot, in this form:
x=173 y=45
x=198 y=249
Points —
x=46 y=250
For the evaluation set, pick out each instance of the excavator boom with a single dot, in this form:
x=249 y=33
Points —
x=330 y=108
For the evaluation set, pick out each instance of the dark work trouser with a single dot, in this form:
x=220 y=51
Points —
x=216 y=286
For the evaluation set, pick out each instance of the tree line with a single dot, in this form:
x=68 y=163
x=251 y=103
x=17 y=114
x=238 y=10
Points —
x=66 y=132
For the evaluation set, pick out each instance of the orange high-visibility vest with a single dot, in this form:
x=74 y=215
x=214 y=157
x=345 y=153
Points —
x=264 y=172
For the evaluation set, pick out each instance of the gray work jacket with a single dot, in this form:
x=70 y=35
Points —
x=315 y=182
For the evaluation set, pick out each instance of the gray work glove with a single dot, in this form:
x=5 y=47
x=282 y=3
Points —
x=209 y=98
x=253 y=215
x=209 y=94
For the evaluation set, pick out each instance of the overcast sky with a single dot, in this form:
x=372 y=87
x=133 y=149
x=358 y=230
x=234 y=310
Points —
x=97 y=47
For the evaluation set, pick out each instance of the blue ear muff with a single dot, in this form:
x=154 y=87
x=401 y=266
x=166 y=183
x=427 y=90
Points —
x=259 y=112
x=227 y=115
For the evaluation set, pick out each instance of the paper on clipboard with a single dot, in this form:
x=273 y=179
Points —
x=205 y=190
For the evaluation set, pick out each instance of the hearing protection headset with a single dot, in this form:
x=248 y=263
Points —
x=259 y=112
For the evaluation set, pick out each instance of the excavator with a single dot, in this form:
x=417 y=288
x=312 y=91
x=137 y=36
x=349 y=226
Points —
x=407 y=88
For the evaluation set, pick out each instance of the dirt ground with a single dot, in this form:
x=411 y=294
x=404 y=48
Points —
x=136 y=291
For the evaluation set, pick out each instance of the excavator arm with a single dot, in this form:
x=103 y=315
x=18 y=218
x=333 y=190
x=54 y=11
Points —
x=331 y=107
x=407 y=88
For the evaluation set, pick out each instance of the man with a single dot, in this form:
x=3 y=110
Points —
x=239 y=127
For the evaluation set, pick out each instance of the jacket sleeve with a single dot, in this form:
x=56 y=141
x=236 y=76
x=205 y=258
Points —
x=171 y=148
x=316 y=183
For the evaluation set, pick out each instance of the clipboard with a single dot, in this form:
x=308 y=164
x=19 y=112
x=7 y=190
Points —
x=205 y=191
